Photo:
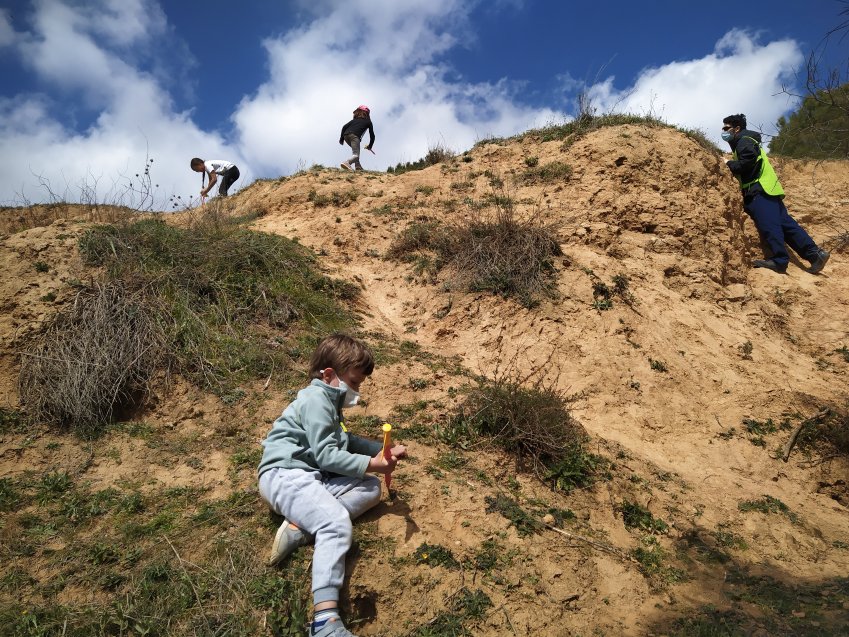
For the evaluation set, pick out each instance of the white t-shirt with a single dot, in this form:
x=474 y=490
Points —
x=217 y=166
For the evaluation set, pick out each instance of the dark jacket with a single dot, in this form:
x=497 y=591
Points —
x=747 y=166
x=358 y=126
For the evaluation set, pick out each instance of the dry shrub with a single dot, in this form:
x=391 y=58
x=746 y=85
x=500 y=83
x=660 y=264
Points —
x=528 y=416
x=501 y=253
x=414 y=238
x=505 y=255
x=19 y=218
x=839 y=242
x=96 y=358
x=551 y=172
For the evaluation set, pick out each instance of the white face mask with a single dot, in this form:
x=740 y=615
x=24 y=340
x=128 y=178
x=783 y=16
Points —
x=351 y=397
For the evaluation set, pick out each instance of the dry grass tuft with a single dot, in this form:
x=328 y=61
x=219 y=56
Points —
x=94 y=359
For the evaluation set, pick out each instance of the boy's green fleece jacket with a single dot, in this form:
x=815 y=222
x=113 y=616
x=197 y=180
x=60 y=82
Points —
x=309 y=435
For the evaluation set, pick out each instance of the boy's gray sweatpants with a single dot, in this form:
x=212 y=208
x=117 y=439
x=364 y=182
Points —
x=323 y=507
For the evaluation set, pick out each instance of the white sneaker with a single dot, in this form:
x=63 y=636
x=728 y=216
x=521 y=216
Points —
x=287 y=539
x=345 y=165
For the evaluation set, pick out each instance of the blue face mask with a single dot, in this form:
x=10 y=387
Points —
x=727 y=135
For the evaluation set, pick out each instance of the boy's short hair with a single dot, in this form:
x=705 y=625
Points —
x=735 y=120
x=196 y=161
x=341 y=352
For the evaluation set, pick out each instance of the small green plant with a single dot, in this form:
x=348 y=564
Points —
x=525 y=523
x=657 y=365
x=451 y=461
x=844 y=352
x=651 y=558
x=636 y=516
x=435 y=555
x=602 y=296
x=41 y=266
x=767 y=505
x=531 y=162
x=425 y=190
x=746 y=350
x=729 y=539
x=417 y=384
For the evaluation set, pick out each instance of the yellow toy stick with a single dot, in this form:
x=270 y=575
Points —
x=387 y=449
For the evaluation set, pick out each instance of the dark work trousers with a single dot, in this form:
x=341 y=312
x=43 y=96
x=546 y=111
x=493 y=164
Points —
x=776 y=227
x=227 y=178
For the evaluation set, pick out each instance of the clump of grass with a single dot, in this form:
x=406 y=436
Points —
x=506 y=255
x=636 y=516
x=200 y=301
x=767 y=505
x=651 y=558
x=436 y=154
x=12 y=420
x=551 y=172
x=529 y=418
x=503 y=254
x=435 y=555
x=603 y=294
x=335 y=198
x=94 y=358
x=418 y=236
x=466 y=605
x=830 y=436
x=658 y=365
x=524 y=523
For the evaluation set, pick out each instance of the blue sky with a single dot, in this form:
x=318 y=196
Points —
x=92 y=87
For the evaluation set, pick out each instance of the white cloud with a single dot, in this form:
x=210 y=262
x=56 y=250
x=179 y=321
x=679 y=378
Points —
x=740 y=76
x=86 y=53
x=108 y=56
x=387 y=55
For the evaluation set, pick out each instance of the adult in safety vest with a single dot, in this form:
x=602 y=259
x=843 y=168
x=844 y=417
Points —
x=763 y=200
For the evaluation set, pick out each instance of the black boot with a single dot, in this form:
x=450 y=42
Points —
x=769 y=264
x=819 y=263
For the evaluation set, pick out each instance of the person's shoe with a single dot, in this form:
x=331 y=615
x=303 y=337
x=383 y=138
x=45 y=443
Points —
x=819 y=263
x=288 y=538
x=769 y=264
x=345 y=165
x=333 y=628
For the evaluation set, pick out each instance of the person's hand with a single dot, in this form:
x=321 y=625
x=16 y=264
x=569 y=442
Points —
x=379 y=464
x=203 y=193
x=398 y=451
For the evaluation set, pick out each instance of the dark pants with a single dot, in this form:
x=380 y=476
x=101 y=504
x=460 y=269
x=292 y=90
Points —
x=776 y=227
x=227 y=178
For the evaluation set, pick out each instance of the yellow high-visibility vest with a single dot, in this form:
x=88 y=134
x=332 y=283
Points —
x=766 y=176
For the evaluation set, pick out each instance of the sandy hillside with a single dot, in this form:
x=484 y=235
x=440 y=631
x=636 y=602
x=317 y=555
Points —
x=663 y=382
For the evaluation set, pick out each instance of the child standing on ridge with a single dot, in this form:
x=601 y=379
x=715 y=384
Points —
x=352 y=133
x=214 y=167
x=312 y=472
